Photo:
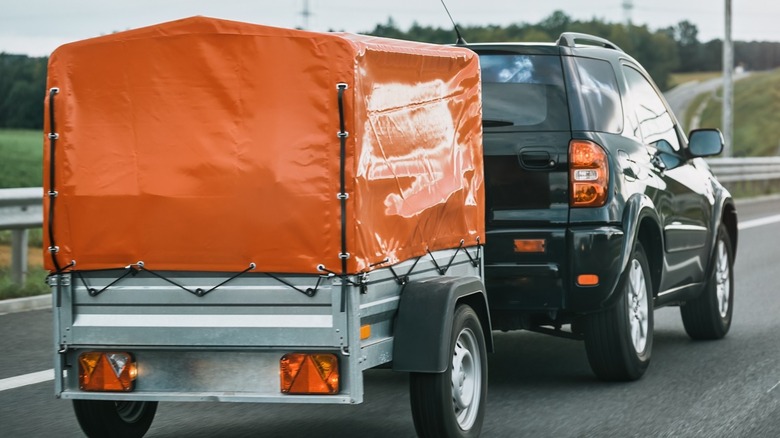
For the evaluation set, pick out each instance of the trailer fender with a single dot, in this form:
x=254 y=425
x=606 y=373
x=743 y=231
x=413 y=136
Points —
x=423 y=323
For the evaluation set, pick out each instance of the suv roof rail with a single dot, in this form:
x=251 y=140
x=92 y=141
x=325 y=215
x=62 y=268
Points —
x=568 y=39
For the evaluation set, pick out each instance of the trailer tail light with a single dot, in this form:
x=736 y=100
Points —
x=107 y=371
x=589 y=174
x=309 y=373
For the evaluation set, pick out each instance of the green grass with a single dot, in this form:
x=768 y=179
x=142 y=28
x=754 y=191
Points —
x=21 y=152
x=756 y=109
x=21 y=163
x=36 y=275
x=693 y=107
x=680 y=78
x=34 y=238
x=35 y=285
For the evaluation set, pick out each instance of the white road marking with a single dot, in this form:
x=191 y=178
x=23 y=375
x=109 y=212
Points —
x=26 y=379
x=759 y=222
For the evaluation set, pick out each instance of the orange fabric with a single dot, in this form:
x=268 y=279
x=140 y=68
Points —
x=207 y=145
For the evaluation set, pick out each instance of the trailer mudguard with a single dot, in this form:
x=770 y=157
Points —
x=423 y=324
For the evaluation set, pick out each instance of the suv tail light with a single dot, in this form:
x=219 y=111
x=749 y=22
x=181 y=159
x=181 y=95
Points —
x=588 y=174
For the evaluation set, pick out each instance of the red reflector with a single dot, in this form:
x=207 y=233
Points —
x=587 y=280
x=107 y=371
x=530 y=245
x=315 y=373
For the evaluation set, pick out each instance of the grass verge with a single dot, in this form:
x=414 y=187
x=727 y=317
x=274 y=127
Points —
x=676 y=79
x=756 y=106
x=22 y=158
x=35 y=285
x=36 y=275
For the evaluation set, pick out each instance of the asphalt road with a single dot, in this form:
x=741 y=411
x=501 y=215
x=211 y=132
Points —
x=539 y=386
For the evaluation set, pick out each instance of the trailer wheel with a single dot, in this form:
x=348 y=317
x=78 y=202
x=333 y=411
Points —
x=451 y=404
x=117 y=419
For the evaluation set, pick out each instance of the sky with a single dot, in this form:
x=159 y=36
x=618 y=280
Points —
x=37 y=27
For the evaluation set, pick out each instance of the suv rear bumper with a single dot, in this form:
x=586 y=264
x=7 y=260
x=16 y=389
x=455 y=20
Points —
x=544 y=282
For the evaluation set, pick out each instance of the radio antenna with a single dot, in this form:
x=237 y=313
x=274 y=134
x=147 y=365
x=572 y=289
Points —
x=460 y=41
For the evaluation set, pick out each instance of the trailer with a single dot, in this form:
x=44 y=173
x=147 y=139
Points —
x=242 y=213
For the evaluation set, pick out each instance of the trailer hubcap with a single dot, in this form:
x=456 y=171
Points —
x=466 y=380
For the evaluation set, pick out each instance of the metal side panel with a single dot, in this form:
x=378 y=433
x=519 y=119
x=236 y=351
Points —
x=223 y=346
x=251 y=311
x=381 y=296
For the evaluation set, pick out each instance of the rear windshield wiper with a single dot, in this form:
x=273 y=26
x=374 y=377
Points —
x=492 y=123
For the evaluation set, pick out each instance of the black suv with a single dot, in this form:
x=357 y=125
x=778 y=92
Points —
x=599 y=208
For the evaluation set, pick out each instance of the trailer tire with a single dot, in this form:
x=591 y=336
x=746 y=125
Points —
x=115 y=419
x=452 y=403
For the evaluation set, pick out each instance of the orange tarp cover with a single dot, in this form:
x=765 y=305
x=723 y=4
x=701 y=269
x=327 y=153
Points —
x=206 y=145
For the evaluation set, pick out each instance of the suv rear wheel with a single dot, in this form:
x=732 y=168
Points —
x=619 y=340
x=709 y=315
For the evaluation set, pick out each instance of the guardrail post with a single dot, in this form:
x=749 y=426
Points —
x=19 y=256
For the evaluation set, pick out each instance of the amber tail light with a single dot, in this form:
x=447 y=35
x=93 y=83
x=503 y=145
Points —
x=107 y=371
x=589 y=174
x=304 y=373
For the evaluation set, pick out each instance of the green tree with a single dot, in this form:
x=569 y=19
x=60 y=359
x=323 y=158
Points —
x=22 y=90
x=557 y=23
x=685 y=34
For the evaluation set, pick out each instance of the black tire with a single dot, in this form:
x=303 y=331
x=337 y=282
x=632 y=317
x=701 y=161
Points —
x=443 y=408
x=619 y=340
x=114 y=419
x=709 y=315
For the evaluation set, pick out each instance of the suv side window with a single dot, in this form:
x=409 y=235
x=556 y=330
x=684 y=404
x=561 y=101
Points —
x=594 y=96
x=655 y=123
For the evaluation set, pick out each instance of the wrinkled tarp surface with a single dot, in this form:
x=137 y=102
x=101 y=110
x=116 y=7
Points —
x=206 y=145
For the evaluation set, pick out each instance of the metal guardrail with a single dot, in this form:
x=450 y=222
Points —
x=735 y=170
x=21 y=209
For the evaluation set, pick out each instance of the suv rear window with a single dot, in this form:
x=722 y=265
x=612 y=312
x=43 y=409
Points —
x=525 y=92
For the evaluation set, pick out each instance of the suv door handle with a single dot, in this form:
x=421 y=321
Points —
x=536 y=160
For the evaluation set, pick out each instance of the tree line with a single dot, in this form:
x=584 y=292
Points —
x=22 y=90
x=674 y=49
x=661 y=52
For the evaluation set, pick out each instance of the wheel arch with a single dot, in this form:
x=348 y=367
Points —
x=649 y=234
x=728 y=218
x=424 y=321
x=642 y=224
